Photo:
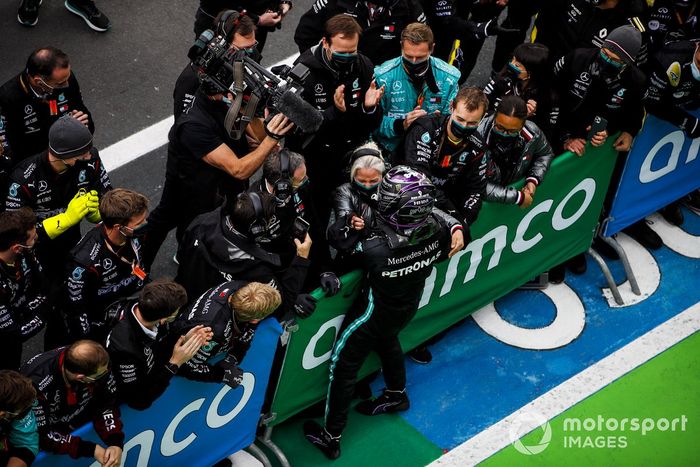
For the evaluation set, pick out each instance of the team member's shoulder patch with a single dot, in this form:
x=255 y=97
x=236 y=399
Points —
x=387 y=66
x=674 y=74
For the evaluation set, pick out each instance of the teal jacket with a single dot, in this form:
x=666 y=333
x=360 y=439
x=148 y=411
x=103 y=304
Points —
x=401 y=96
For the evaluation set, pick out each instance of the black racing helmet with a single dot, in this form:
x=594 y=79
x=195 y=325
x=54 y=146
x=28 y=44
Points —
x=406 y=198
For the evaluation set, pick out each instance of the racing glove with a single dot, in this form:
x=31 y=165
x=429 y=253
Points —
x=233 y=375
x=330 y=283
x=305 y=305
x=94 y=215
x=80 y=206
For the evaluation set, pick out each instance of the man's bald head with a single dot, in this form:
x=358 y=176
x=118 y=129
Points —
x=85 y=357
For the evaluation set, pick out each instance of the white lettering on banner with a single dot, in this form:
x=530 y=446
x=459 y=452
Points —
x=214 y=420
x=519 y=245
x=144 y=441
x=310 y=361
x=428 y=288
x=558 y=222
x=676 y=139
x=168 y=445
x=567 y=325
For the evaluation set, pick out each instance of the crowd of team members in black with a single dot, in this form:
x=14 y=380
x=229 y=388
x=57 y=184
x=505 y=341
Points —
x=246 y=210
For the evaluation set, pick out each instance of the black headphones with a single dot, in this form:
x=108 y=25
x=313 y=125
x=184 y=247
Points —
x=228 y=22
x=365 y=152
x=257 y=228
x=283 y=185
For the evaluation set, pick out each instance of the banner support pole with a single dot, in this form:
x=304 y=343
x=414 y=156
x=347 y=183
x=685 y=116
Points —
x=266 y=440
x=258 y=454
x=608 y=276
x=625 y=263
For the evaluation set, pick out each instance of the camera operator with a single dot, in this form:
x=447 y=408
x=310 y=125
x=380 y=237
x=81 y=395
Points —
x=340 y=84
x=62 y=185
x=232 y=311
x=205 y=164
x=396 y=258
x=515 y=148
x=284 y=177
x=105 y=267
x=143 y=363
x=381 y=23
x=36 y=98
x=75 y=386
x=24 y=304
x=230 y=243
x=266 y=15
x=448 y=150
x=239 y=30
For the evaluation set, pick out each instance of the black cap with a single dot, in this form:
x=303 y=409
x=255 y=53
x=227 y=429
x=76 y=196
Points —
x=69 y=138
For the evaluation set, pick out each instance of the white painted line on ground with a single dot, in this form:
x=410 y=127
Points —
x=575 y=389
x=149 y=139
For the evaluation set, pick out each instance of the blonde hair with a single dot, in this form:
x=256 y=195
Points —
x=255 y=301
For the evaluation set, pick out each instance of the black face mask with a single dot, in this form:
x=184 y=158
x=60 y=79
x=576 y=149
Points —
x=416 y=70
x=343 y=62
x=605 y=70
x=461 y=131
x=502 y=144
x=367 y=194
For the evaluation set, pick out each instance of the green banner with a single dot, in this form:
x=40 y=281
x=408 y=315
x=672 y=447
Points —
x=511 y=246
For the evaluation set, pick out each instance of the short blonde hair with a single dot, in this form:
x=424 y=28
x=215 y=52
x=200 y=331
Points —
x=255 y=301
x=418 y=33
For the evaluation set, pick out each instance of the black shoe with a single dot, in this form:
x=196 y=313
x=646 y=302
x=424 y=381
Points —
x=641 y=232
x=319 y=437
x=87 y=10
x=692 y=202
x=421 y=355
x=604 y=249
x=389 y=401
x=672 y=213
x=28 y=12
x=557 y=274
x=577 y=264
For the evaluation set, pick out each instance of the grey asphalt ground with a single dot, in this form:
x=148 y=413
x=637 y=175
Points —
x=127 y=75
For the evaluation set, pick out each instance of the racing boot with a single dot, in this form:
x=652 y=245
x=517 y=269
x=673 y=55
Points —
x=672 y=213
x=641 y=232
x=87 y=10
x=389 y=401
x=319 y=437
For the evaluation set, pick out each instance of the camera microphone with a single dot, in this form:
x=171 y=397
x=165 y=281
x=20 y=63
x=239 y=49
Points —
x=200 y=44
x=304 y=115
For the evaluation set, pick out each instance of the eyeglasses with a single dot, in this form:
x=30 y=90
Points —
x=94 y=379
x=19 y=414
x=506 y=131
x=611 y=60
x=249 y=49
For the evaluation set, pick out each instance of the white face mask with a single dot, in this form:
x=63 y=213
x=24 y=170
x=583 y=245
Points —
x=695 y=70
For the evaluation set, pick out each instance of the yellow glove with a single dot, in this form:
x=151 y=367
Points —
x=94 y=214
x=81 y=205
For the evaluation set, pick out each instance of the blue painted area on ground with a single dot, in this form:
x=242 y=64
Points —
x=475 y=380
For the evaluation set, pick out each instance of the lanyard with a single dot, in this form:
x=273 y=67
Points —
x=135 y=267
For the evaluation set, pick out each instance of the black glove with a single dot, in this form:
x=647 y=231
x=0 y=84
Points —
x=330 y=283
x=691 y=126
x=233 y=375
x=492 y=28
x=305 y=305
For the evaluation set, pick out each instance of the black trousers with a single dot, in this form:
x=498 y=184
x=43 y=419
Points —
x=360 y=334
x=10 y=352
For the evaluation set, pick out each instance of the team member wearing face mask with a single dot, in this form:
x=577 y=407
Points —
x=340 y=84
x=448 y=149
x=105 y=266
x=23 y=302
x=516 y=148
x=33 y=100
x=674 y=90
x=75 y=386
x=62 y=186
x=417 y=84
x=600 y=83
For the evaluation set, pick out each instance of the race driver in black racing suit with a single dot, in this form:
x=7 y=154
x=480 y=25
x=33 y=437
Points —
x=397 y=257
